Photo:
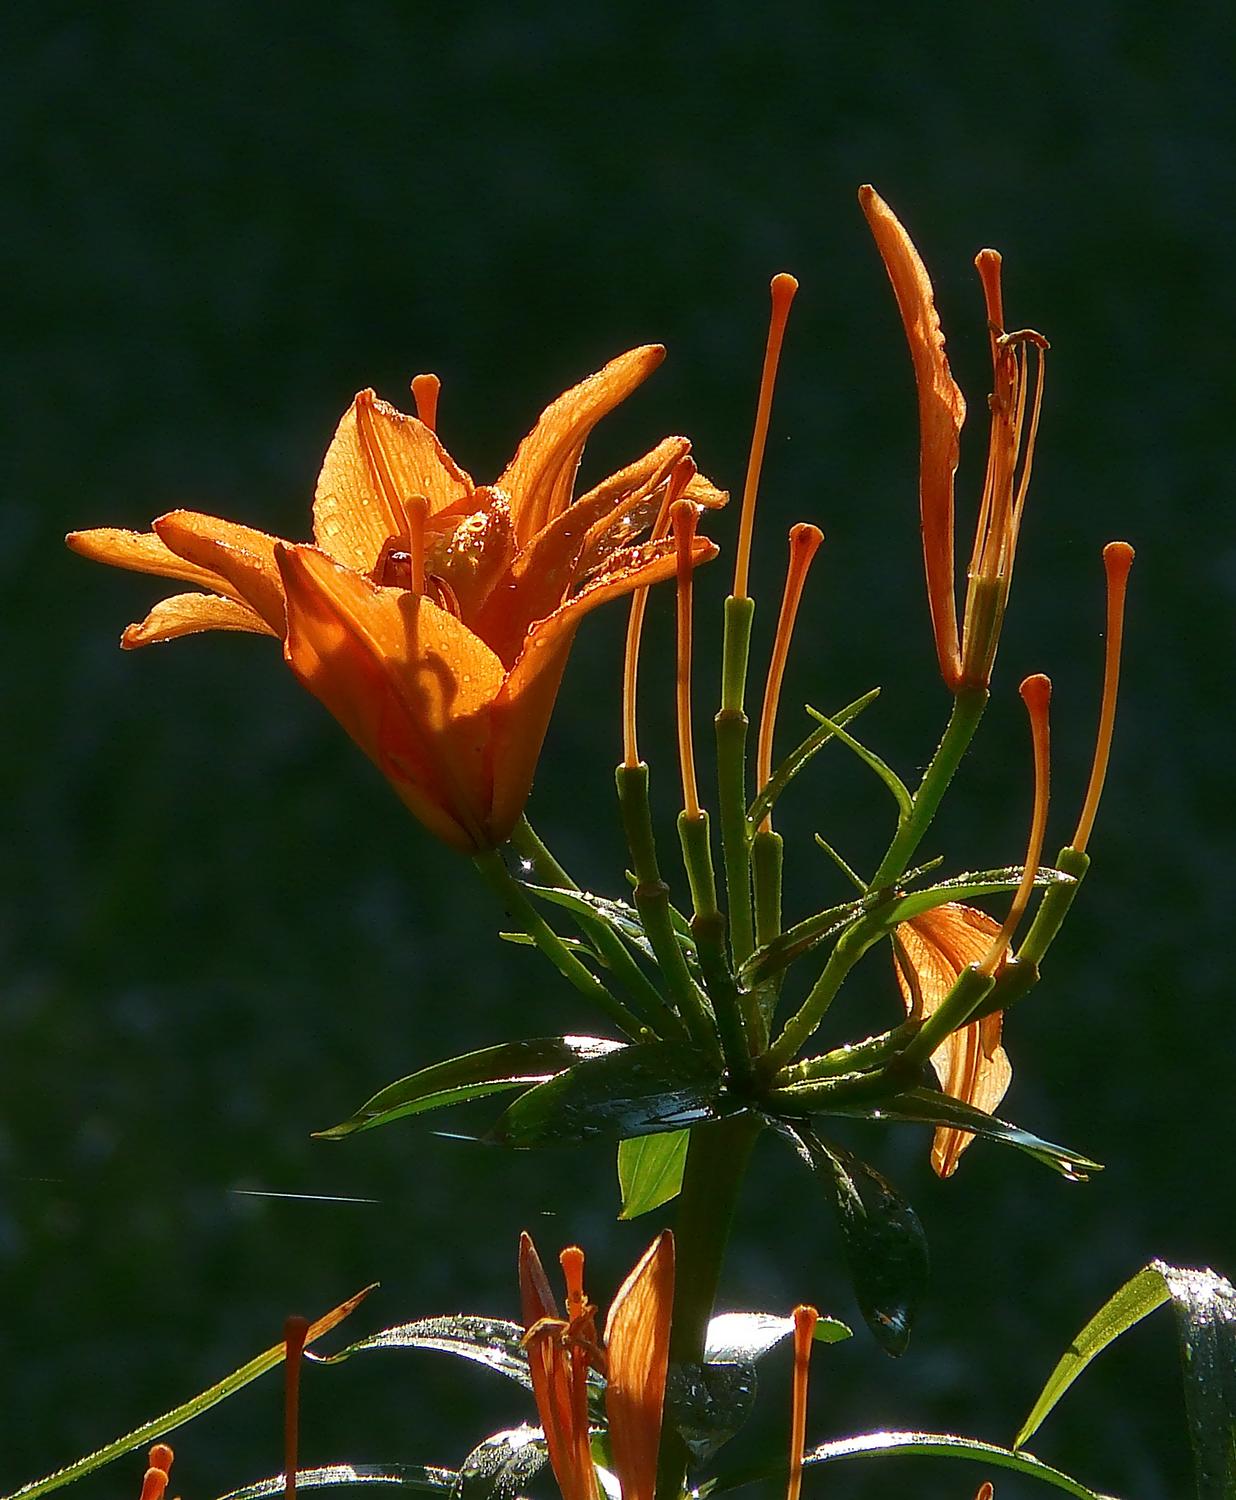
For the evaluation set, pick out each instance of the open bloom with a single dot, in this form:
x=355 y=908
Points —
x=431 y=615
x=965 y=662
x=930 y=951
x=633 y=1357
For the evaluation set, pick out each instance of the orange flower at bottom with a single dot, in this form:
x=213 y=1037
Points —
x=634 y=1360
x=432 y=616
x=930 y=951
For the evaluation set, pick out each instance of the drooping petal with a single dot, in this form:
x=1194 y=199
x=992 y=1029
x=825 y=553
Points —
x=637 y=1335
x=522 y=709
x=242 y=557
x=141 y=552
x=541 y=476
x=970 y=1064
x=378 y=458
x=410 y=684
x=941 y=412
x=187 y=614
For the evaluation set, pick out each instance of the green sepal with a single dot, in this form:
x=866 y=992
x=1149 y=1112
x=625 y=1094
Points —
x=923 y=1444
x=650 y=1169
x=509 y=1065
x=885 y=1246
x=424 y=1478
x=643 y=1089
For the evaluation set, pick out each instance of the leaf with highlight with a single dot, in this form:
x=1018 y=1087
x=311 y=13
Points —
x=422 y=1478
x=650 y=1169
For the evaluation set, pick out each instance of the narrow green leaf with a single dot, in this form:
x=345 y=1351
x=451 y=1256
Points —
x=650 y=1169
x=885 y=1246
x=801 y=755
x=1146 y=1291
x=421 y=1477
x=923 y=1106
x=900 y=792
x=496 y=1343
x=159 y=1427
x=498 y=1468
x=509 y=1065
x=573 y=945
x=970 y=886
x=640 y=1090
x=922 y=1444
x=619 y=916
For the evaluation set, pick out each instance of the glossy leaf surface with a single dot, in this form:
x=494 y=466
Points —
x=750 y=1335
x=650 y=1169
x=970 y=886
x=473 y=1075
x=496 y=1343
x=640 y=1090
x=498 y=1468
x=885 y=1247
x=422 y=1478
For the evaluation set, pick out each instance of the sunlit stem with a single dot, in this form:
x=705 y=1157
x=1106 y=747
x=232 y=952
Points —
x=767 y=861
x=680 y=477
x=425 y=390
x=782 y=288
x=1117 y=560
x=684 y=517
x=1036 y=694
x=520 y=908
x=604 y=940
x=652 y=901
x=805 y=1319
x=295 y=1330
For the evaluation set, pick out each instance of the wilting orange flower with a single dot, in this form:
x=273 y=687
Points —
x=634 y=1358
x=930 y=951
x=942 y=411
x=432 y=616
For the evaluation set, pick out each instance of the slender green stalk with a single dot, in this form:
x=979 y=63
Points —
x=652 y=901
x=511 y=894
x=708 y=929
x=608 y=945
x=717 y=1160
x=731 y=732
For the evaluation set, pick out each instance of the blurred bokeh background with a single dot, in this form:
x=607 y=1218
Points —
x=219 y=930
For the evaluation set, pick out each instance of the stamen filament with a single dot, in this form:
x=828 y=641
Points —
x=680 y=476
x=684 y=516
x=425 y=390
x=1117 y=560
x=1036 y=694
x=805 y=540
x=805 y=1319
x=782 y=287
x=295 y=1331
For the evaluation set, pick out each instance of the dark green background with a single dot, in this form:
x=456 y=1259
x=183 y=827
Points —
x=221 y=932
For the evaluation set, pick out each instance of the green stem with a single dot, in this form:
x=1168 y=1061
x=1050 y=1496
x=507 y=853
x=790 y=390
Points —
x=717 y=1160
x=731 y=731
x=708 y=929
x=652 y=901
x=604 y=940
x=512 y=895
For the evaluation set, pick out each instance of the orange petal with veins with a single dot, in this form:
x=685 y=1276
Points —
x=637 y=1335
x=141 y=552
x=187 y=614
x=241 y=556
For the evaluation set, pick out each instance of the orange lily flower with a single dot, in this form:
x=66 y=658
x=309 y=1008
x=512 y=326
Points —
x=634 y=1358
x=431 y=615
x=929 y=952
x=1015 y=403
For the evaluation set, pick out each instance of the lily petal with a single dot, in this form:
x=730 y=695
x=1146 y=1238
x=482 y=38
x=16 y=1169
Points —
x=637 y=1336
x=378 y=458
x=409 y=683
x=549 y=1365
x=941 y=410
x=970 y=1064
x=141 y=552
x=541 y=476
x=187 y=614
x=241 y=556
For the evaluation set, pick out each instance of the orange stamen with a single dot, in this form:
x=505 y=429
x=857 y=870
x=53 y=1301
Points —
x=295 y=1331
x=681 y=475
x=1036 y=694
x=425 y=390
x=805 y=540
x=154 y=1481
x=1117 y=560
x=417 y=510
x=805 y=1319
x=684 y=516
x=782 y=287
